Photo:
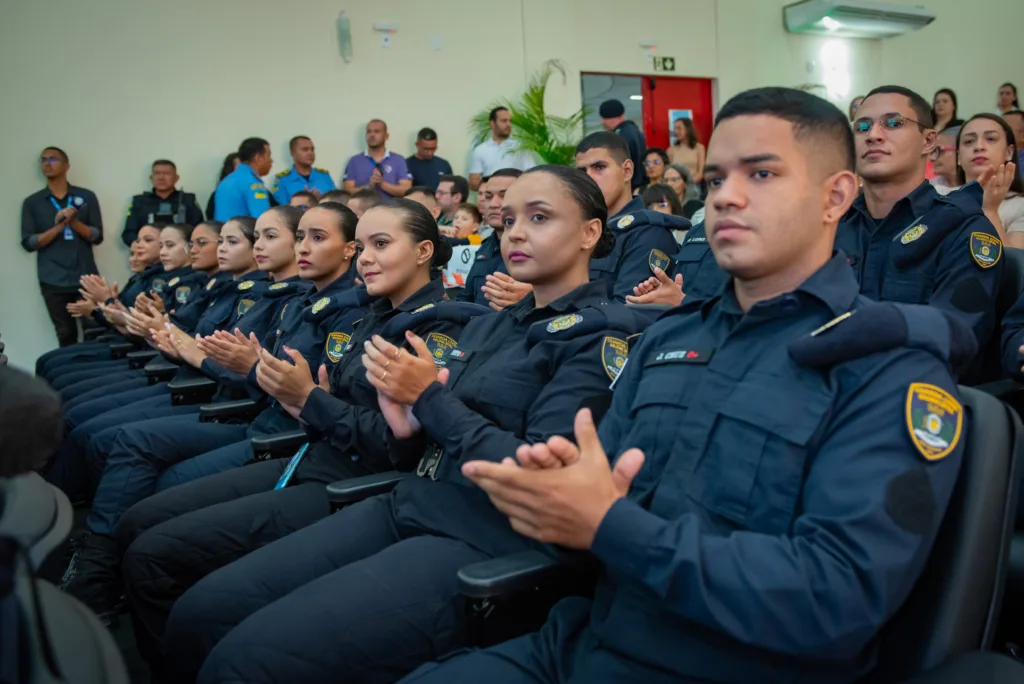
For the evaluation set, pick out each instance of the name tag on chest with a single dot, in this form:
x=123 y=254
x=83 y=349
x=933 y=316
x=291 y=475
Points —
x=695 y=355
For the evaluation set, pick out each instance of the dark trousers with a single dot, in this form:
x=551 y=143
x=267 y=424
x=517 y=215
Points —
x=64 y=324
x=359 y=596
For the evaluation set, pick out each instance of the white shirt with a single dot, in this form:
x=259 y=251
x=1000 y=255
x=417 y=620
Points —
x=489 y=156
x=1011 y=212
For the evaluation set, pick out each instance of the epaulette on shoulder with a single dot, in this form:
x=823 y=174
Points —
x=288 y=289
x=878 y=327
x=324 y=171
x=669 y=221
x=589 y=320
x=282 y=174
x=452 y=312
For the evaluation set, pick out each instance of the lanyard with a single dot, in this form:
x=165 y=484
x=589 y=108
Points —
x=56 y=204
x=286 y=476
x=68 y=233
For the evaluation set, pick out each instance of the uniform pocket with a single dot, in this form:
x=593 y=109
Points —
x=661 y=402
x=911 y=288
x=510 y=398
x=756 y=455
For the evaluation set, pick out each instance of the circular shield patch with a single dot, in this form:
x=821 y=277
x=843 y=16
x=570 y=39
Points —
x=439 y=346
x=935 y=420
x=244 y=305
x=563 y=323
x=182 y=293
x=986 y=249
x=613 y=353
x=320 y=304
x=279 y=286
x=158 y=285
x=245 y=285
x=336 y=345
x=658 y=259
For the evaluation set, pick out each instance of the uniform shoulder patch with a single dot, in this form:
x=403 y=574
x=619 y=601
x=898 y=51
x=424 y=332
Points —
x=337 y=343
x=182 y=293
x=282 y=174
x=424 y=307
x=279 y=286
x=159 y=284
x=257 y=186
x=986 y=249
x=439 y=346
x=244 y=305
x=260 y=195
x=209 y=285
x=320 y=304
x=245 y=285
x=658 y=259
x=935 y=420
x=318 y=169
x=913 y=233
x=174 y=281
x=625 y=222
x=563 y=323
x=613 y=353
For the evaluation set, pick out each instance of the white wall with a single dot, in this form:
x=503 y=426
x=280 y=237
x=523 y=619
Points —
x=118 y=83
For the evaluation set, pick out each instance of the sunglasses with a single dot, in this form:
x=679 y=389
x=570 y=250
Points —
x=889 y=122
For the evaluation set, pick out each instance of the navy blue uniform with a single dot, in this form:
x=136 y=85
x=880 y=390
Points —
x=487 y=262
x=1012 y=339
x=211 y=518
x=516 y=377
x=795 y=479
x=702 y=276
x=931 y=249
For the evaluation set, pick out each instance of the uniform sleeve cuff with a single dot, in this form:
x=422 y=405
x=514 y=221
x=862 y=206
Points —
x=322 y=411
x=625 y=536
x=435 y=418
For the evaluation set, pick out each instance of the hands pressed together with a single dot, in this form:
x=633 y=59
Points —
x=502 y=290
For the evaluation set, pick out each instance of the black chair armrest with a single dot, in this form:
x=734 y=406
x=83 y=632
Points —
x=118 y=350
x=159 y=370
x=509 y=574
x=191 y=390
x=976 y=668
x=138 y=359
x=356 y=489
x=223 y=411
x=280 y=445
x=107 y=337
x=90 y=334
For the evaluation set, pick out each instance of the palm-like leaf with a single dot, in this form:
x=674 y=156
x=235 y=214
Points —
x=551 y=138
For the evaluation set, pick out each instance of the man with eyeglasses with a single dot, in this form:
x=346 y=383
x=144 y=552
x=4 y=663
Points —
x=164 y=204
x=61 y=223
x=905 y=241
x=451 y=192
x=944 y=162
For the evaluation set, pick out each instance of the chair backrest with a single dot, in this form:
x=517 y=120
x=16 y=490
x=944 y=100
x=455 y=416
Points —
x=987 y=365
x=954 y=607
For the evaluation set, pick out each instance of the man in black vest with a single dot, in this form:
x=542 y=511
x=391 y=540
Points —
x=164 y=204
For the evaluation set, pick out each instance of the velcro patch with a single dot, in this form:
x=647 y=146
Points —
x=658 y=259
x=564 y=323
x=986 y=249
x=935 y=420
x=336 y=344
x=613 y=353
x=913 y=233
x=439 y=346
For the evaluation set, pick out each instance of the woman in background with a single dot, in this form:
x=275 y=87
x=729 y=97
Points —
x=688 y=150
x=660 y=197
x=229 y=165
x=986 y=153
x=1007 y=99
x=944 y=110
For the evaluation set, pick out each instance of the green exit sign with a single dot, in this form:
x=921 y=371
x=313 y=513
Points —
x=664 y=63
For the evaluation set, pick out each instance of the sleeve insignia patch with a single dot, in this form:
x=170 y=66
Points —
x=614 y=352
x=279 y=286
x=257 y=186
x=563 y=323
x=284 y=309
x=323 y=171
x=424 y=308
x=336 y=345
x=658 y=259
x=625 y=222
x=260 y=195
x=182 y=293
x=913 y=233
x=320 y=304
x=209 y=285
x=174 y=281
x=986 y=249
x=439 y=346
x=935 y=420
x=244 y=305
x=246 y=285
x=159 y=284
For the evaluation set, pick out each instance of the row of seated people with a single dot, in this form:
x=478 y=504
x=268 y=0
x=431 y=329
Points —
x=762 y=495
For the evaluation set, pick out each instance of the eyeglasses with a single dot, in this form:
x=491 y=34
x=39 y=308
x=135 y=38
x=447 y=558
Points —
x=200 y=243
x=653 y=162
x=889 y=122
x=937 y=152
x=660 y=205
x=49 y=160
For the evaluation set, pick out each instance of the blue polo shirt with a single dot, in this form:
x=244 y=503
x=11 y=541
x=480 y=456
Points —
x=241 y=193
x=360 y=167
x=428 y=172
x=289 y=182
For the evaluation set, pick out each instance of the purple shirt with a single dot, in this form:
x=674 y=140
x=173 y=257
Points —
x=360 y=167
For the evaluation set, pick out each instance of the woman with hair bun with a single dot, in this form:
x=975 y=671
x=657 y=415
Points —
x=382 y=572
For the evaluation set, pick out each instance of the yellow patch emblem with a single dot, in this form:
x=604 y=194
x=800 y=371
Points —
x=658 y=259
x=279 y=286
x=246 y=285
x=625 y=222
x=563 y=323
x=260 y=195
x=336 y=344
x=209 y=285
x=935 y=420
x=244 y=305
x=182 y=293
x=320 y=304
x=439 y=346
x=913 y=233
x=986 y=249
x=174 y=281
x=614 y=352
x=424 y=308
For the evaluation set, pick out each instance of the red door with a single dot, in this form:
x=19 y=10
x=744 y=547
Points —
x=664 y=93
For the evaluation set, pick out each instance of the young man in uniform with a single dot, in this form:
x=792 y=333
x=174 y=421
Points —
x=782 y=455
x=61 y=223
x=242 y=192
x=488 y=266
x=302 y=175
x=164 y=204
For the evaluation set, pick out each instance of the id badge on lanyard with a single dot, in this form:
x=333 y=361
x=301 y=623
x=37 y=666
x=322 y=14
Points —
x=68 y=233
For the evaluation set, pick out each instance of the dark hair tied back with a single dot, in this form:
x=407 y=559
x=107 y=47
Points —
x=588 y=197
x=247 y=224
x=418 y=222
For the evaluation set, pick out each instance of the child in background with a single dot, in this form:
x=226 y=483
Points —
x=467 y=221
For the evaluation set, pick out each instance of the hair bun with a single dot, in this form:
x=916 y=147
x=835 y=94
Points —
x=605 y=244
x=442 y=254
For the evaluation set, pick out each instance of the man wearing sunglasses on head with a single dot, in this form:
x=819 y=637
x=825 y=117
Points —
x=905 y=241
x=61 y=223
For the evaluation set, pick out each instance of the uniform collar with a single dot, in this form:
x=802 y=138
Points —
x=634 y=205
x=583 y=296
x=174 y=193
x=252 y=275
x=387 y=153
x=342 y=282
x=428 y=294
x=919 y=201
x=152 y=269
x=296 y=172
x=252 y=171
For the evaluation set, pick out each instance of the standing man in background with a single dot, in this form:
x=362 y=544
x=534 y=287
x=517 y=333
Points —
x=165 y=204
x=451 y=192
x=242 y=192
x=498 y=151
x=302 y=175
x=425 y=167
x=61 y=223
x=613 y=118
x=377 y=168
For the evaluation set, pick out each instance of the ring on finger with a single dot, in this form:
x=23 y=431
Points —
x=384 y=376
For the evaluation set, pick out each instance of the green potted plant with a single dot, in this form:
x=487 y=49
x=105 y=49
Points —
x=552 y=139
